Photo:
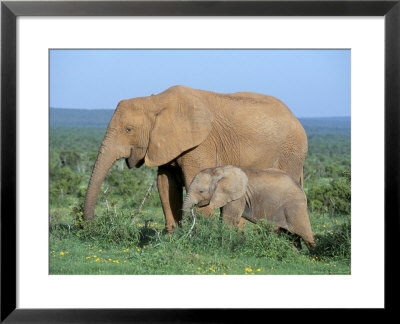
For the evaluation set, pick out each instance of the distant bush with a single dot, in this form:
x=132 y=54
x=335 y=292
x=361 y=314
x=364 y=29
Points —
x=333 y=197
x=70 y=159
x=64 y=182
x=130 y=186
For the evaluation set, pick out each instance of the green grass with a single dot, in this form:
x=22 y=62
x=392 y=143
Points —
x=112 y=245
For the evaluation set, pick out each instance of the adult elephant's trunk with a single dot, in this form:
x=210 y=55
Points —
x=189 y=202
x=104 y=161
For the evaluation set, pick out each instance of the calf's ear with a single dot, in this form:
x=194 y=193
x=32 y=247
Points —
x=230 y=184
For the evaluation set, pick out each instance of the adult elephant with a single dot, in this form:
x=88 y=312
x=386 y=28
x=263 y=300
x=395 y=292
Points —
x=182 y=131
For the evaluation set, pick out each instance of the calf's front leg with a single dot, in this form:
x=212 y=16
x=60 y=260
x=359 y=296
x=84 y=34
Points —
x=232 y=212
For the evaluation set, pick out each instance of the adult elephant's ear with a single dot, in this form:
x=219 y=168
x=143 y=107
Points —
x=178 y=127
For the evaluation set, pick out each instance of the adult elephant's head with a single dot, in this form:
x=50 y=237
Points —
x=152 y=130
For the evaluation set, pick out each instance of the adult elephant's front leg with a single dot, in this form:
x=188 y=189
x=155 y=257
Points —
x=171 y=196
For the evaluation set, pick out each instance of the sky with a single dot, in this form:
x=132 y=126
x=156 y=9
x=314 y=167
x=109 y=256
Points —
x=312 y=83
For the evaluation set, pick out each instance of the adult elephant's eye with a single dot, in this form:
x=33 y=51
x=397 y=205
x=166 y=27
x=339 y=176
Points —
x=128 y=129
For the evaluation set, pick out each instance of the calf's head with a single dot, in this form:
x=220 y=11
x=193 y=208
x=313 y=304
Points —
x=216 y=187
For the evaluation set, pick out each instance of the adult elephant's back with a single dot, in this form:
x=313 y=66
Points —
x=267 y=133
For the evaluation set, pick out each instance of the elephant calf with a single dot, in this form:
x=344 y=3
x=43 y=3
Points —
x=253 y=194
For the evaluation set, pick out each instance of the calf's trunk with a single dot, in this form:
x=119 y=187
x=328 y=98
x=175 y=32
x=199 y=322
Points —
x=189 y=202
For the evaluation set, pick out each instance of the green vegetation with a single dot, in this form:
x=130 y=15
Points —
x=125 y=240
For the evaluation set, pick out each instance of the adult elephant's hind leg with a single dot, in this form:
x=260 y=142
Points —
x=292 y=163
x=171 y=196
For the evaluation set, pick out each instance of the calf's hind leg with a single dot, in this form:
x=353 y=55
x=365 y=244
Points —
x=299 y=222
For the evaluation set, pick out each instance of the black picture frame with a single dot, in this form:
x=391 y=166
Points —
x=10 y=10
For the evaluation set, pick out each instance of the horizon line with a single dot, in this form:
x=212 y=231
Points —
x=91 y=109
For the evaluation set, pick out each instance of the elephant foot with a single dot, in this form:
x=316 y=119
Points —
x=167 y=232
x=169 y=228
x=242 y=224
x=311 y=245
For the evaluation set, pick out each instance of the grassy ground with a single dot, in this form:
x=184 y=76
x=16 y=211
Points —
x=111 y=245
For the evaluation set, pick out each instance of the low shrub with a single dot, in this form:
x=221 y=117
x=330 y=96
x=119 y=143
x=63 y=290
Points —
x=333 y=197
x=335 y=243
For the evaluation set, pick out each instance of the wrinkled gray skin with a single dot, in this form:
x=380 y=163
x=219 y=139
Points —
x=253 y=194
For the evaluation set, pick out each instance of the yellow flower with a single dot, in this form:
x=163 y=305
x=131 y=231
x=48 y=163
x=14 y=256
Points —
x=124 y=261
x=94 y=256
x=224 y=273
x=116 y=261
x=61 y=253
x=323 y=226
x=100 y=250
x=109 y=259
x=198 y=268
x=126 y=250
x=88 y=257
x=211 y=269
x=97 y=260
x=258 y=269
x=138 y=249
